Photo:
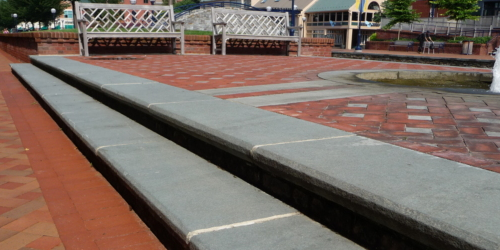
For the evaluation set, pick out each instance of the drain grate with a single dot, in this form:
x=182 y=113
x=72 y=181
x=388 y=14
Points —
x=116 y=58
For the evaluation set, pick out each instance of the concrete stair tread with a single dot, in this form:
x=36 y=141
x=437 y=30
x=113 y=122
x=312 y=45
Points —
x=430 y=199
x=205 y=206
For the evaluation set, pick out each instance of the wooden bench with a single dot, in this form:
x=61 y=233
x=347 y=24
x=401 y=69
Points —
x=404 y=44
x=126 y=21
x=255 y=25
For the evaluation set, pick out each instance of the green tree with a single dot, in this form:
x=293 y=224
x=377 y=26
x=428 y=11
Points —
x=6 y=21
x=36 y=10
x=183 y=2
x=458 y=10
x=399 y=11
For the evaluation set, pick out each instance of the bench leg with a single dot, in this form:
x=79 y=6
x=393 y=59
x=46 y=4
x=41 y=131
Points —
x=174 y=45
x=224 y=40
x=182 y=46
x=224 y=46
x=84 y=45
x=182 y=40
x=214 y=45
x=298 y=46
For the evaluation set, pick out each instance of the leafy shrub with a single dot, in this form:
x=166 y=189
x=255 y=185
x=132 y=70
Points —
x=373 y=37
x=479 y=40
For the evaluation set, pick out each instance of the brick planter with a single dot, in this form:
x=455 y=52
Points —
x=450 y=48
x=22 y=45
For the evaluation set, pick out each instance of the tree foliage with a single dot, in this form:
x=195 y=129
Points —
x=399 y=11
x=29 y=10
x=183 y=2
x=6 y=20
x=458 y=10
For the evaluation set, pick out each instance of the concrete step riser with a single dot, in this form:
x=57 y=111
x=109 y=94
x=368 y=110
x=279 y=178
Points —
x=337 y=212
x=166 y=219
x=437 y=202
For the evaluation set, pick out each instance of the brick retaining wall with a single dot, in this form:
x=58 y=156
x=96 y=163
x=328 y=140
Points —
x=22 y=45
x=451 y=48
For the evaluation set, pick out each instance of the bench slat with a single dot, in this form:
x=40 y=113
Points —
x=125 y=21
x=257 y=25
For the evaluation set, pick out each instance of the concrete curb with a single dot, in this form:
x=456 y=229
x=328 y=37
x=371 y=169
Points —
x=460 y=62
x=202 y=205
x=439 y=203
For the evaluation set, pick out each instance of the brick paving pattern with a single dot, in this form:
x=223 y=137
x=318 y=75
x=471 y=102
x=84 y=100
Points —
x=446 y=126
x=209 y=72
x=458 y=127
x=50 y=196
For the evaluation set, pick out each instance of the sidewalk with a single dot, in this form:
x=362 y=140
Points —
x=50 y=196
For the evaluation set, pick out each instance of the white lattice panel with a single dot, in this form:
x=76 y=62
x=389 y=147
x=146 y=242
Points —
x=252 y=24
x=125 y=18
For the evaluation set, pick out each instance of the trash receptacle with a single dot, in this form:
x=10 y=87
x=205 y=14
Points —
x=467 y=46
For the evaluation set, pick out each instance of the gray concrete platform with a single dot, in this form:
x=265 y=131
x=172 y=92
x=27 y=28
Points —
x=205 y=206
x=437 y=202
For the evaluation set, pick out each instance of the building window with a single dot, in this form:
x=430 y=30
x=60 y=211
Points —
x=369 y=17
x=373 y=6
x=491 y=8
x=345 y=16
x=68 y=13
x=146 y=1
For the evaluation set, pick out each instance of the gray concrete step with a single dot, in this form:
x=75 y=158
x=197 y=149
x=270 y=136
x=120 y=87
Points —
x=379 y=194
x=191 y=202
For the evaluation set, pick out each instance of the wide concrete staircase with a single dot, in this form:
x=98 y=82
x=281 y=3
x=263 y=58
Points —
x=206 y=173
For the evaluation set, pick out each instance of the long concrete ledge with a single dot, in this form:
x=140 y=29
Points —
x=204 y=206
x=439 y=203
x=461 y=62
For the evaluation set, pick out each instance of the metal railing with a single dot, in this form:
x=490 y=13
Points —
x=188 y=8
x=485 y=26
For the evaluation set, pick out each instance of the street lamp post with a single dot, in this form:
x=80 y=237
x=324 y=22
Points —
x=293 y=17
x=358 y=46
x=133 y=2
x=53 y=11
x=73 y=10
x=14 y=16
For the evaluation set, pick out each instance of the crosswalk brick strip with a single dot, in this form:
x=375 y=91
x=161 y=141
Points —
x=50 y=196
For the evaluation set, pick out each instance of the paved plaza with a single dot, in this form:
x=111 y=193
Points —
x=459 y=127
x=44 y=204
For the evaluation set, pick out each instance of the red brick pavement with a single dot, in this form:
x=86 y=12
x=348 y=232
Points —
x=50 y=196
x=209 y=72
x=440 y=124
